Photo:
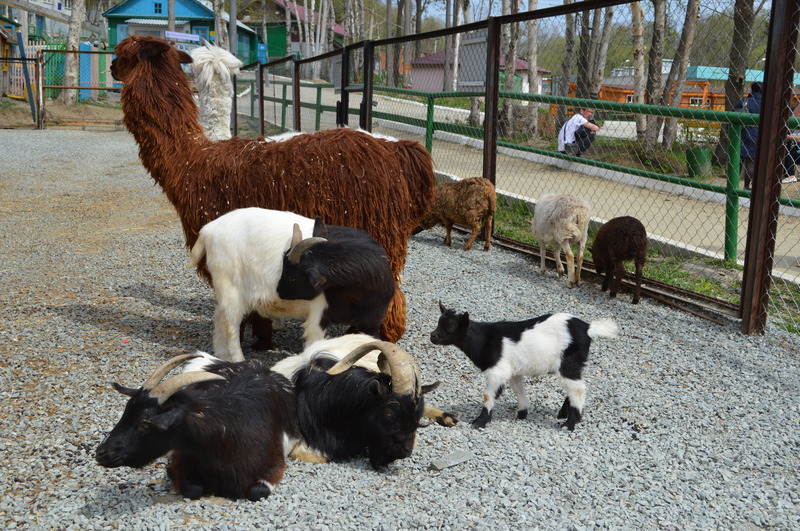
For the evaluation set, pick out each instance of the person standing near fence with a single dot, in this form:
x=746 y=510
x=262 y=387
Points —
x=747 y=152
x=792 y=157
x=578 y=133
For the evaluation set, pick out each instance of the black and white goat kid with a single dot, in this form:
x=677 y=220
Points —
x=506 y=351
x=348 y=267
x=228 y=428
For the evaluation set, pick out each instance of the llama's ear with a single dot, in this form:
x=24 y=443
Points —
x=184 y=57
x=149 y=50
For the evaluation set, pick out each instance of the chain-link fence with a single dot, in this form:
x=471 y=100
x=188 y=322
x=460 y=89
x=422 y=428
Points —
x=685 y=95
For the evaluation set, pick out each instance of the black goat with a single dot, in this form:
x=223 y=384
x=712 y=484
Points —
x=227 y=428
x=506 y=351
x=349 y=267
x=619 y=240
x=348 y=411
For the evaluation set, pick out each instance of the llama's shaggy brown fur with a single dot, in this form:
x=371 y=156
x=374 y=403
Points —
x=344 y=176
x=470 y=202
x=620 y=240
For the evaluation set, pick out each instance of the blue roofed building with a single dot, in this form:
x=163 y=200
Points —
x=194 y=20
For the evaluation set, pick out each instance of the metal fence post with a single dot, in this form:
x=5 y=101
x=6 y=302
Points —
x=764 y=206
x=343 y=106
x=296 y=96
x=731 y=196
x=318 y=110
x=492 y=96
x=368 y=96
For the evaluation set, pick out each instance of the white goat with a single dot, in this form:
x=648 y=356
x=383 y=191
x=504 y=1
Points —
x=214 y=69
x=244 y=255
x=561 y=220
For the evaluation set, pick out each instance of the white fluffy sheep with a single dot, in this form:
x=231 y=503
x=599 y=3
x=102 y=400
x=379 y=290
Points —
x=214 y=69
x=560 y=220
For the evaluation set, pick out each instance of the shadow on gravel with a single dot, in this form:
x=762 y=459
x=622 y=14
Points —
x=202 y=306
x=183 y=334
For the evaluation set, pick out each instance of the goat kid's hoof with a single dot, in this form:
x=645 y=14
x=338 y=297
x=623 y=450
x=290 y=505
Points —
x=482 y=420
x=522 y=414
x=447 y=419
x=259 y=491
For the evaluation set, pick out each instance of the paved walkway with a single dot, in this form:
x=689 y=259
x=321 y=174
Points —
x=682 y=218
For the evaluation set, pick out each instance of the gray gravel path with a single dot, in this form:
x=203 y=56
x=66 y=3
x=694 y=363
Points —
x=687 y=425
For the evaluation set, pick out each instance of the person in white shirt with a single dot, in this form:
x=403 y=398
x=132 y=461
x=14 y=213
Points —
x=578 y=133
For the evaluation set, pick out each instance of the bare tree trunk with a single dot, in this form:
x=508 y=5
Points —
x=505 y=118
x=389 y=52
x=584 y=51
x=566 y=64
x=655 y=60
x=418 y=29
x=71 y=61
x=401 y=5
x=288 y=14
x=407 y=45
x=677 y=74
x=457 y=7
x=170 y=15
x=743 y=17
x=220 y=28
x=533 y=71
x=637 y=17
x=448 y=7
x=599 y=63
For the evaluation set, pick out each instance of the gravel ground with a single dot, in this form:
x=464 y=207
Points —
x=687 y=425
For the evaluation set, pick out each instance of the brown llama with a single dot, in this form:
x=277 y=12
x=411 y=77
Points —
x=344 y=176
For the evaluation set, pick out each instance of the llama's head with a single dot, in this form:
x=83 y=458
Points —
x=143 y=48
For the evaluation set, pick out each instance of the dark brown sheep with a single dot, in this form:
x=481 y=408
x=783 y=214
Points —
x=470 y=202
x=620 y=240
x=346 y=177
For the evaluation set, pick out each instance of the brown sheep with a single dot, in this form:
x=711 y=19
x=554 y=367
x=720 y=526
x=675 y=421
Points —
x=619 y=240
x=346 y=177
x=469 y=202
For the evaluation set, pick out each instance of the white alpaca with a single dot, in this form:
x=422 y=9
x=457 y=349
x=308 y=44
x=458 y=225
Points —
x=213 y=70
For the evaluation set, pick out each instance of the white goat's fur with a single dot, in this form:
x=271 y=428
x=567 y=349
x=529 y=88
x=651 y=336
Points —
x=561 y=220
x=337 y=348
x=244 y=255
x=213 y=69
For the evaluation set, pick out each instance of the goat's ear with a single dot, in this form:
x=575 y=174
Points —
x=378 y=390
x=184 y=57
x=441 y=307
x=164 y=421
x=319 y=228
x=316 y=278
x=127 y=391
x=463 y=319
x=430 y=387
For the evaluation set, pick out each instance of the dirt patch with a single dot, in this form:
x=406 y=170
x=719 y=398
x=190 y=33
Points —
x=17 y=113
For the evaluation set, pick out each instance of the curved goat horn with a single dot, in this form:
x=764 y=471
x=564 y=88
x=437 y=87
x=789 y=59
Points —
x=403 y=368
x=299 y=246
x=167 y=388
x=165 y=368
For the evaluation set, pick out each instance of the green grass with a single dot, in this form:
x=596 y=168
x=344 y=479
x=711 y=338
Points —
x=706 y=276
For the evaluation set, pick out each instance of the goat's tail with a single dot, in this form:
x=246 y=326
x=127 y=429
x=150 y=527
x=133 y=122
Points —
x=197 y=253
x=604 y=328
